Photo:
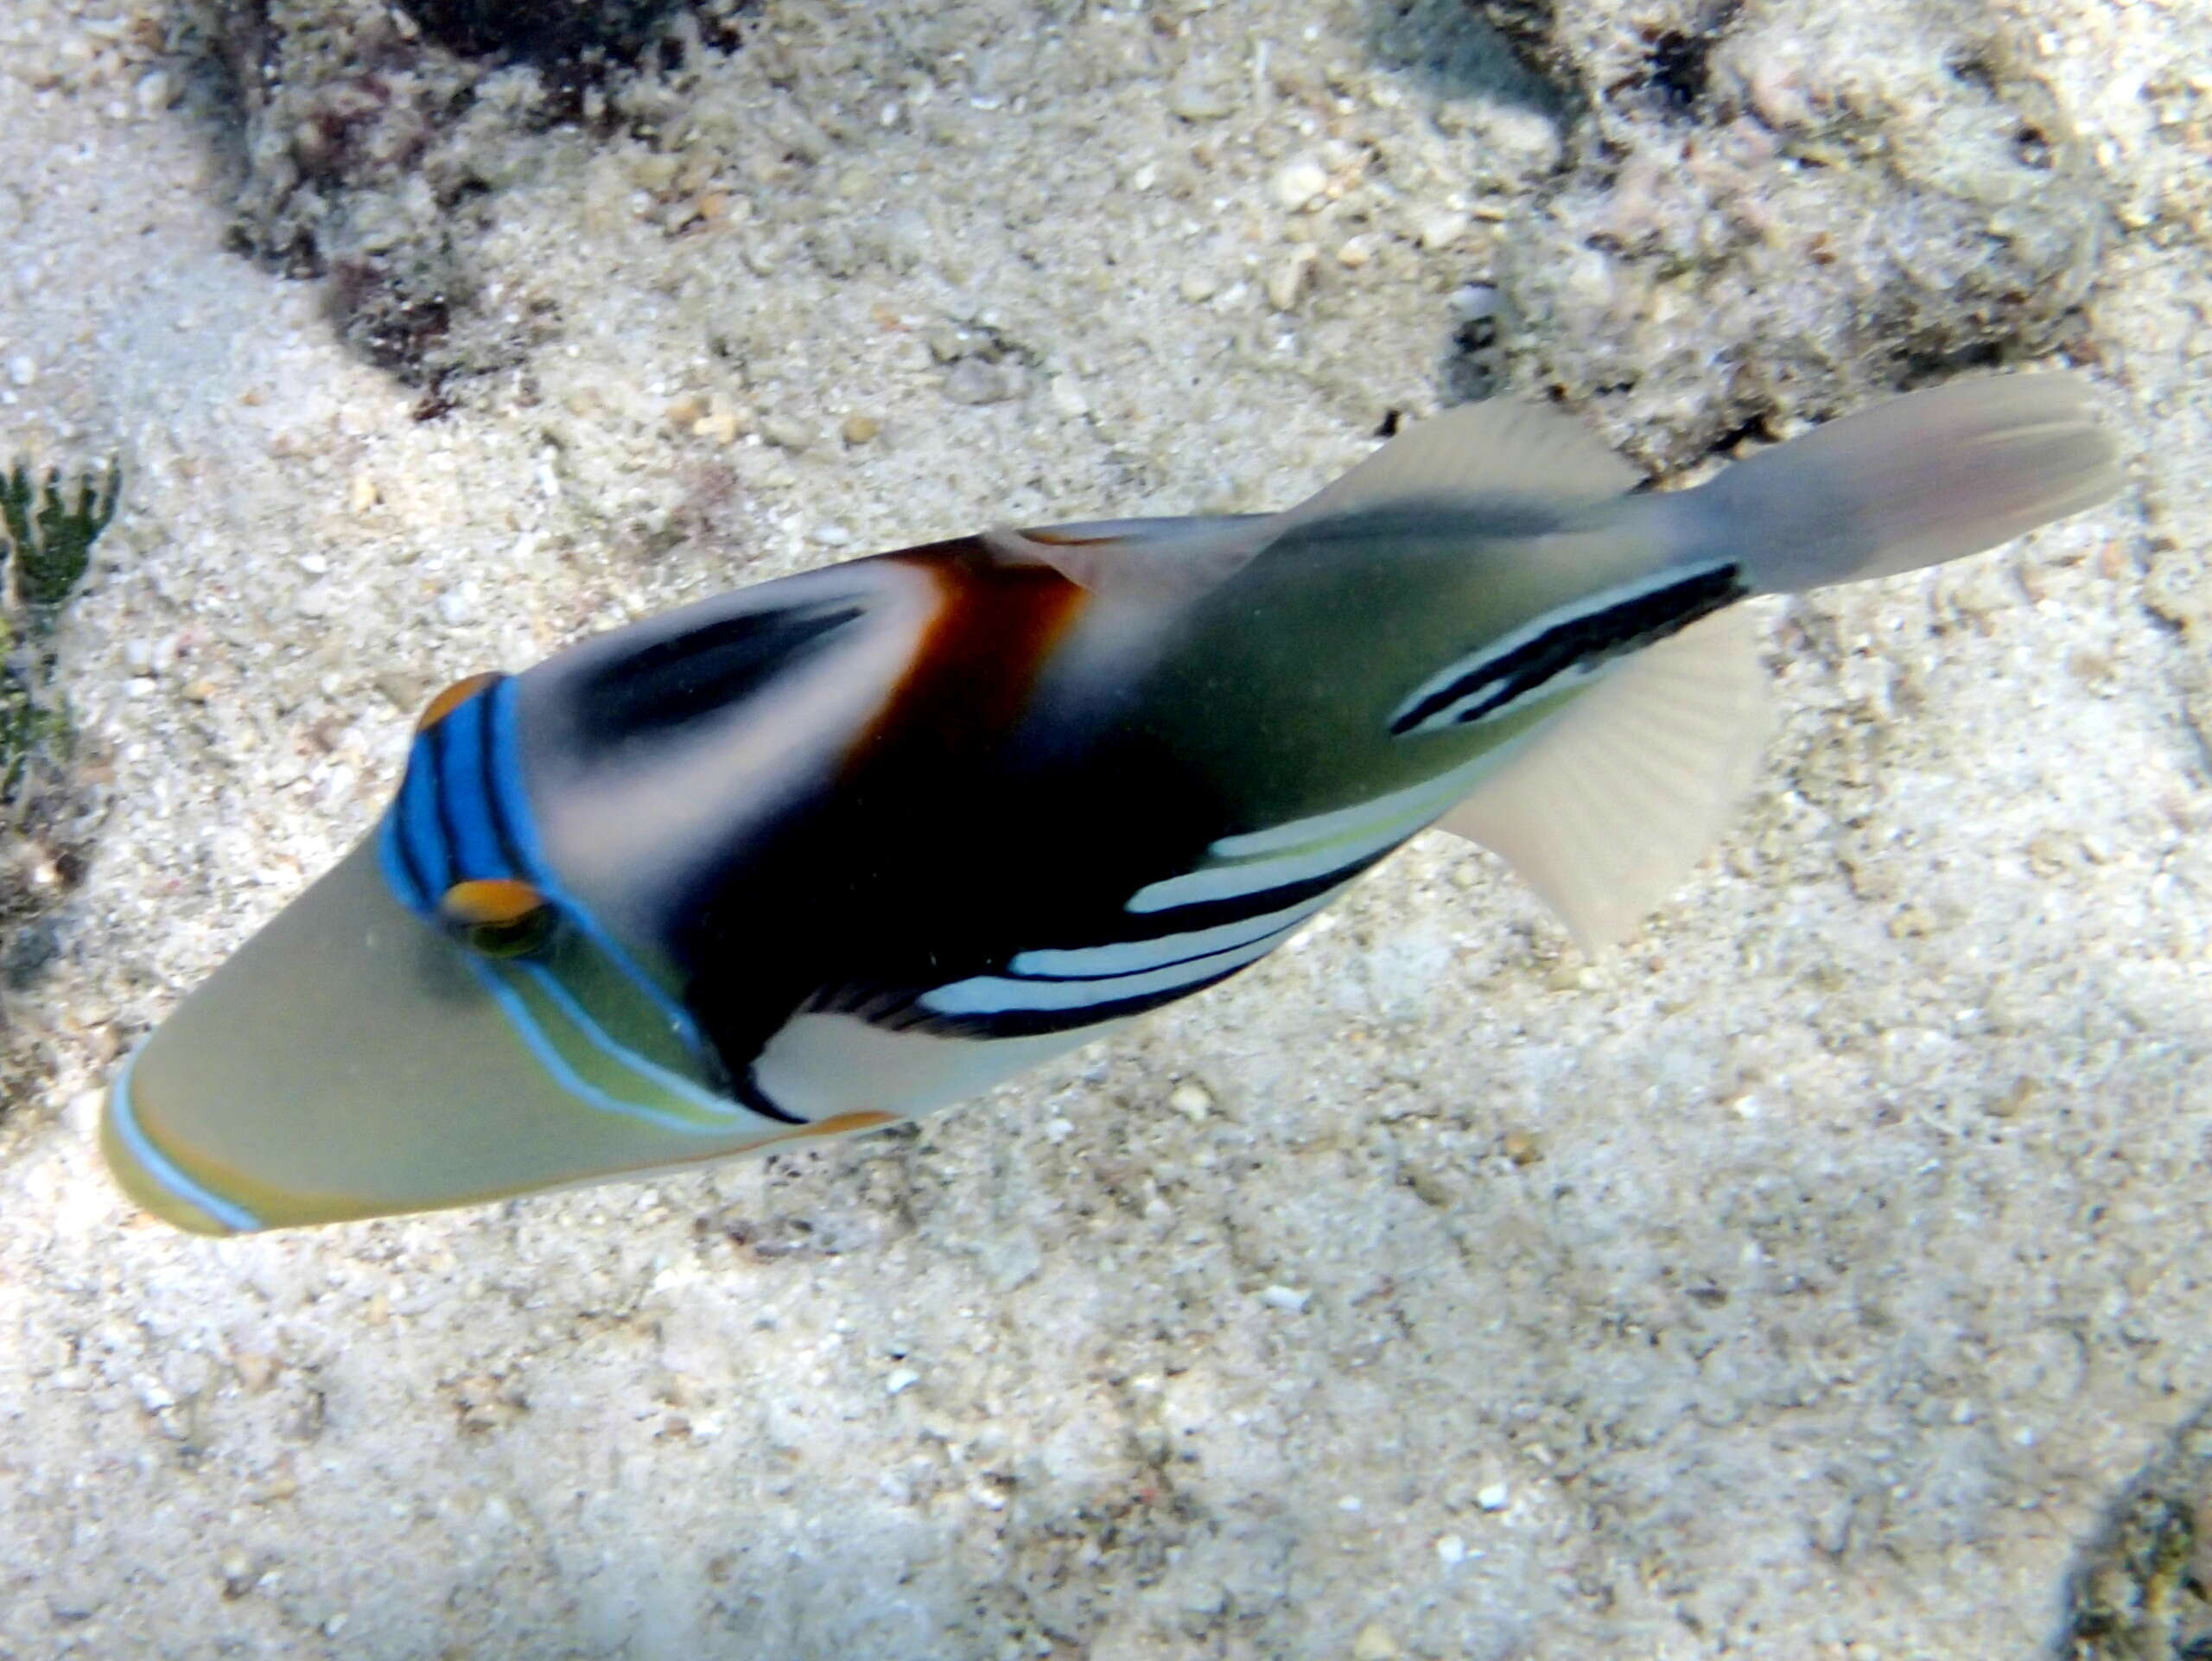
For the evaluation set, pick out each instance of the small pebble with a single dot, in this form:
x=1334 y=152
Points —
x=1494 y=1498
x=1569 y=975
x=399 y=690
x=685 y=410
x=1198 y=287
x=83 y=1113
x=904 y=1378
x=833 y=536
x=1450 y=1550
x=255 y=1370
x=860 y=429
x=361 y=494
x=655 y=169
x=1191 y=1099
x=973 y=381
x=787 y=433
x=1287 y=280
x=1374 y=1643
x=315 y=600
x=1286 y=1297
x=1298 y=182
x=722 y=426
x=1067 y=395
x=1195 y=98
x=155 y=92
x=1474 y=301
x=948 y=342
x=1441 y=230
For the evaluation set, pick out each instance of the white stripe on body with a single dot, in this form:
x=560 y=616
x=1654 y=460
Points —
x=1129 y=957
x=992 y=994
x=1299 y=850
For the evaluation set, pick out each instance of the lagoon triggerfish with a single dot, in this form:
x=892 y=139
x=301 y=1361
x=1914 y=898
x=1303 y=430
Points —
x=827 y=852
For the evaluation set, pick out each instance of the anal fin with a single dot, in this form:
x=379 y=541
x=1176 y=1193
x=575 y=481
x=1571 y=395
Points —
x=1606 y=809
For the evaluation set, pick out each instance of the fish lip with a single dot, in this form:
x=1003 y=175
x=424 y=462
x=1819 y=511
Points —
x=153 y=1180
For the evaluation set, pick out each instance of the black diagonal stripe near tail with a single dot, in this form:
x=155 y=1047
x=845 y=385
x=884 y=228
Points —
x=1593 y=637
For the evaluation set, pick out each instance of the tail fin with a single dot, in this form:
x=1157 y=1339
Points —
x=1924 y=478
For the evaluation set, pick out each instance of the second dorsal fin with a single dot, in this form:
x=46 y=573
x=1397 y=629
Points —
x=1497 y=448
x=1475 y=452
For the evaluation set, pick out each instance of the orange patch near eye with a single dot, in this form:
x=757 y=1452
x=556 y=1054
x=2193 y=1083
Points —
x=491 y=899
x=452 y=698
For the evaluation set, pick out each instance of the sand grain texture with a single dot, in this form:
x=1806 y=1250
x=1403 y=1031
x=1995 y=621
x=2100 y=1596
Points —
x=1808 y=1279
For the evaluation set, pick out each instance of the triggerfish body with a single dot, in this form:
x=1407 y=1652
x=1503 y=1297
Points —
x=825 y=853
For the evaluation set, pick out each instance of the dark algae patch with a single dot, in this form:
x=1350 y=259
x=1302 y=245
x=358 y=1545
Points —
x=2143 y=1591
x=374 y=142
x=47 y=532
x=48 y=523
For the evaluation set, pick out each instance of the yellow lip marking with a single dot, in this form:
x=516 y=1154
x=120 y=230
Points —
x=451 y=699
x=835 y=1125
x=496 y=900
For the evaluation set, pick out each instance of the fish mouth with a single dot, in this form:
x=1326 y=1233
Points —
x=152 y=1180
x=353 y=1060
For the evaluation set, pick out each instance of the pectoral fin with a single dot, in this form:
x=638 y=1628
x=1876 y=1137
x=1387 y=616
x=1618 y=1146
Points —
x=1609 y=806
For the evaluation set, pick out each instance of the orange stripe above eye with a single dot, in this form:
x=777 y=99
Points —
x=452 y=698
x=494 y=900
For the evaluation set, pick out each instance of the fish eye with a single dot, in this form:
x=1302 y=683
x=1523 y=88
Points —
x=498 y=917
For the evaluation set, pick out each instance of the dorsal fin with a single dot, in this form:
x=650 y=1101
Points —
x=1609 y=807
x=1472 y=453
x=1161 y=560
x=1496 y=448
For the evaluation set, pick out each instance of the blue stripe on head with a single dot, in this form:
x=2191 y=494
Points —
x=548 y=1056
x=417 y=814
x=392 y=857
x=457 y=747
x=511 y=804
x=122 y=1113
x=607 y=1044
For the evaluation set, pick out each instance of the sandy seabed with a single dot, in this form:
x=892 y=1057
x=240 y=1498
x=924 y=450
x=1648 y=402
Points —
x=1810 y=1278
